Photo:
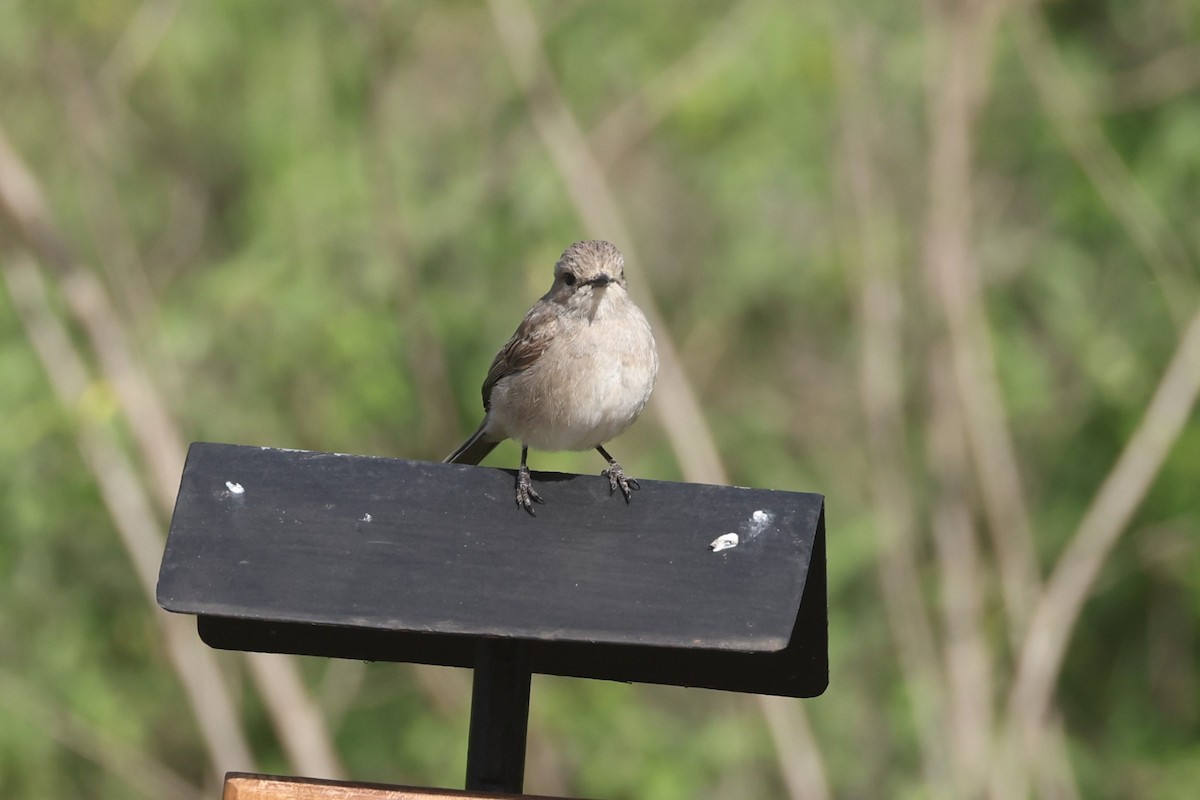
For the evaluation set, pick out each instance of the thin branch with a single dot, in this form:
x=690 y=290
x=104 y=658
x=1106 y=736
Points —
x=634 y=119
x=963 y=33
x=1168 y=75
x=138 y=43
x=1108 y=516
x=1077 y=123
x=796 y=747
x=147 y=776
x=100 y=125
x=339 y=687
x=293 y=708
x=424 y=349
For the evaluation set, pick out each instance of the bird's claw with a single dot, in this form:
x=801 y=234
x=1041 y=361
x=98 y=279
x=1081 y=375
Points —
x=617 y=480
x=526 y=496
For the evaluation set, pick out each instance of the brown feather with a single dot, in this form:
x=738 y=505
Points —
x=525 y=347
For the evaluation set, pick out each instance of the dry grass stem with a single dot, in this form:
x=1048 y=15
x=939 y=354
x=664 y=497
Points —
x=964 y=32
x=970 y=684
x=872 y=250
x=958 y=79
x=133 y=518
x=158 y=438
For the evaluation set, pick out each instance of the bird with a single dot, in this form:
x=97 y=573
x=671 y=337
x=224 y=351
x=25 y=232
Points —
x=576 y=373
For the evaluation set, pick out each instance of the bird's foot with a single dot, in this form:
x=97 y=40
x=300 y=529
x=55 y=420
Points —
x=526 y=496
x=617 y=480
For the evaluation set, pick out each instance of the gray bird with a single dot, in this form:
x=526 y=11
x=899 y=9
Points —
x=577 y=372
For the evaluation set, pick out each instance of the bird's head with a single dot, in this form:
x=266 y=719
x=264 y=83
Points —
x=585 y=273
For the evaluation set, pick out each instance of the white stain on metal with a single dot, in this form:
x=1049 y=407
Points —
x=749 y=530
x=759 y=521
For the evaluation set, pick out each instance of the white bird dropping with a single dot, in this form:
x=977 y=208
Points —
x=724 y=542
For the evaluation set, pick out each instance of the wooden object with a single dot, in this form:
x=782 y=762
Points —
x=244 y=786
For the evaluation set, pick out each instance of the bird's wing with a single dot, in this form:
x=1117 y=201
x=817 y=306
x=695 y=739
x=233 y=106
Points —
x=525 y=347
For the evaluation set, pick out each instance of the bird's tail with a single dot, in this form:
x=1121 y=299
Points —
x=473 y=450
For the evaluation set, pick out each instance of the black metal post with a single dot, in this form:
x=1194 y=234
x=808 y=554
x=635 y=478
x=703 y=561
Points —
x=499 y=716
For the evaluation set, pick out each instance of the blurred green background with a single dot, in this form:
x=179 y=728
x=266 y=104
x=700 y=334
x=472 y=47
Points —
x=937 y=261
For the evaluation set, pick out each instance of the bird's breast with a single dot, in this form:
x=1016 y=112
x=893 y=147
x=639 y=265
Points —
x=589 y=385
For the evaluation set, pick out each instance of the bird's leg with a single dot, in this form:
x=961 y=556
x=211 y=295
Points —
x=616 y=475
x=526 y=496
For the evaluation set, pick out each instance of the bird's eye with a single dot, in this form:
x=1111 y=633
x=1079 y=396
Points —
x=568 y=278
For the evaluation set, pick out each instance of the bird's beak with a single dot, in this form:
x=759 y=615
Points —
x=603 y=279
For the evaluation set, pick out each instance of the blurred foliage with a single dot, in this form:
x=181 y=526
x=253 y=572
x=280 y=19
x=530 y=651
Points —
x=319 y=220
